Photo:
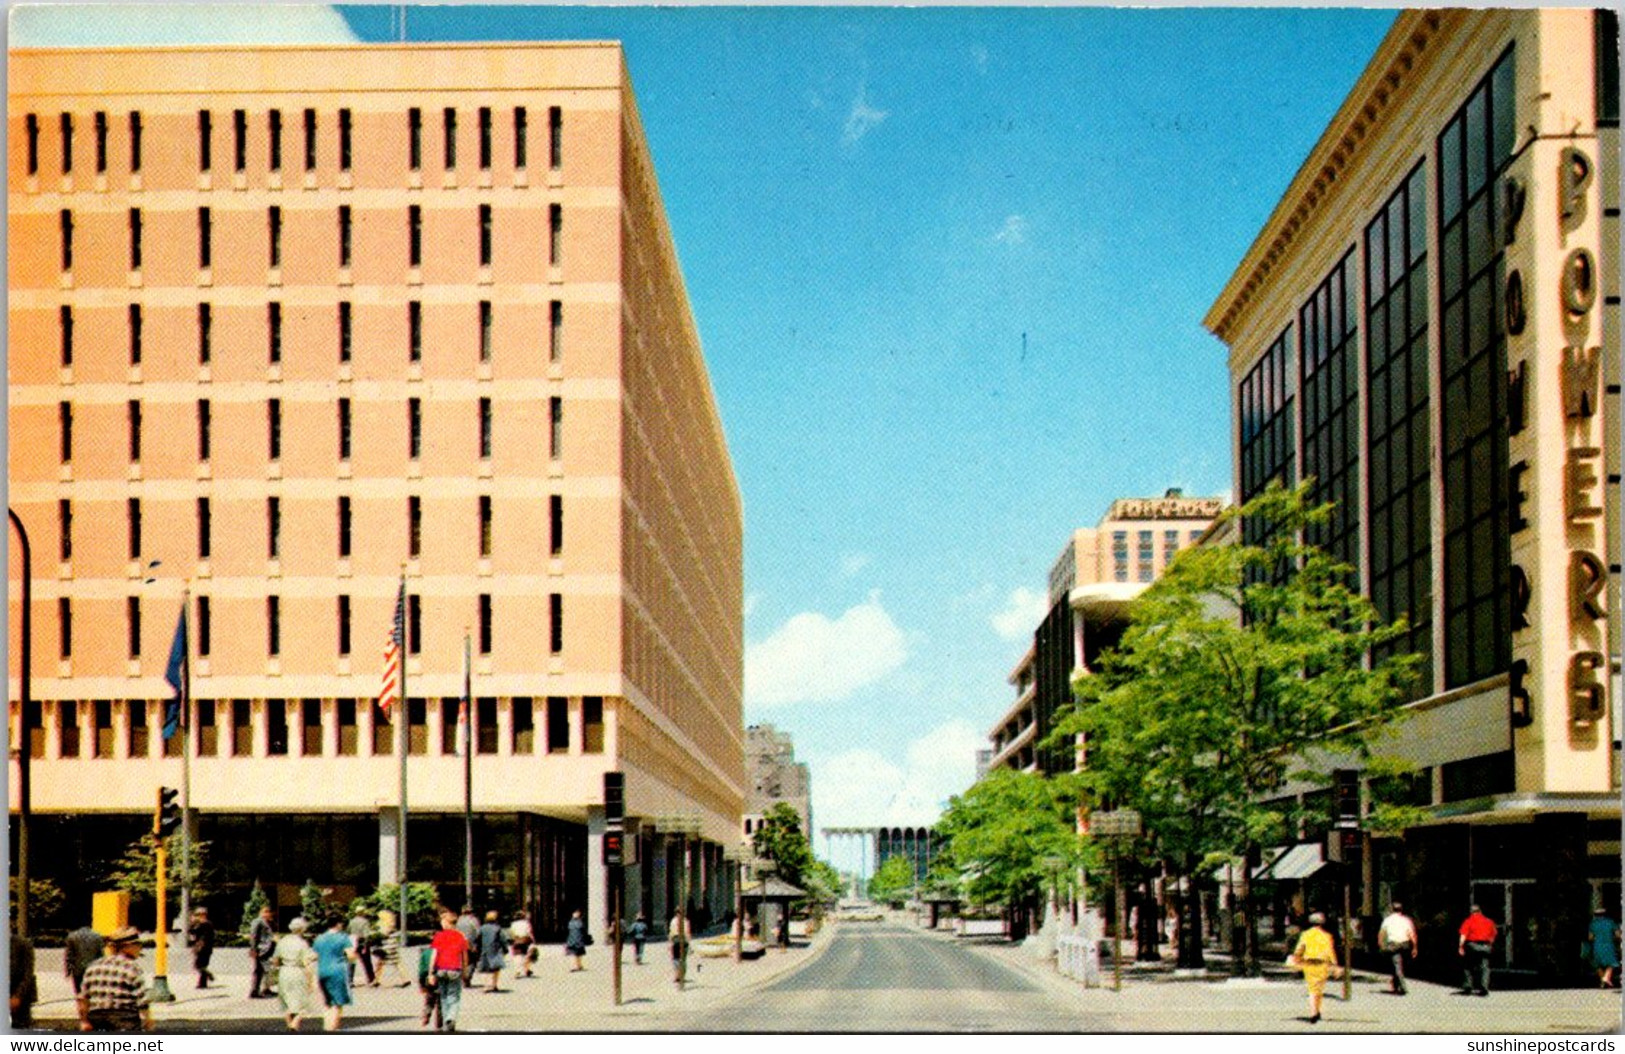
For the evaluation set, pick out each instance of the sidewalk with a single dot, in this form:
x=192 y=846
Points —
x=1157 y=998
x=554 y=1000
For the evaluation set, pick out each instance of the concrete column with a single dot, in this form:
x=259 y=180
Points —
x=597 y=907
x=388 y=825
x=658 y=877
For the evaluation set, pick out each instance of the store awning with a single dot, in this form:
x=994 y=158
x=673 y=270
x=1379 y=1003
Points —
x=1298 y=862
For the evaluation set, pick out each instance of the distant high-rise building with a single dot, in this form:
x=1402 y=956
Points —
x=773 y=775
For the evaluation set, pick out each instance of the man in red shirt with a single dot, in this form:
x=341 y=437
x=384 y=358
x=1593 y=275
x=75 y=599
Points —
x=1477 y=940
x=450 y=958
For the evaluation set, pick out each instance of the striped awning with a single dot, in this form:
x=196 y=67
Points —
x=1298 y=862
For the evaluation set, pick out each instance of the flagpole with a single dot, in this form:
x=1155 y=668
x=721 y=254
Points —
x=186 y=767
x=403 y=718
x=468 y=776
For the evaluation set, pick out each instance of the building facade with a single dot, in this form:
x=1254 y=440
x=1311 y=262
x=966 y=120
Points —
x=1099 y=572
x=773 y=775
x=292 y=325
x=1428 y=328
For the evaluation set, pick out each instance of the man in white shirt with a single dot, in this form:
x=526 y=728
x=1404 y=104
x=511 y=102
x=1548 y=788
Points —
x=1397 y=937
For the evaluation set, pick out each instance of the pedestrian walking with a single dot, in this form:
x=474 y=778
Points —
x=1397 y=939
x=114 y=990
x=201 y=940
x=361 y=935
x=639 y=932
x=1316 y=956
x=450 y=966
x=523 y=944
x=261 y=946
x=295 y=964
x=468 y=924
x=388 y=948
x=1477 y=940
x=24 y=986
x=335 y=957
x=678 y=933
x=431 y=995
x=80 y=948
x=493 y=945
x=1602 y=945
x=576 y=940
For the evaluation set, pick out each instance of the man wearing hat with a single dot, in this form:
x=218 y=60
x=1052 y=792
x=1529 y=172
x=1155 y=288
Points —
x=114 y=991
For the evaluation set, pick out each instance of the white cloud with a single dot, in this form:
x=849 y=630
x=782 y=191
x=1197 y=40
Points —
x=852 y=563
x=812 y=658
x=862 y=119
x=98 y=25
x=1013 y=232
x=1022 y=612
x=751 y=600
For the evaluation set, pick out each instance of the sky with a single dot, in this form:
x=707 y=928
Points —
x=948 y=266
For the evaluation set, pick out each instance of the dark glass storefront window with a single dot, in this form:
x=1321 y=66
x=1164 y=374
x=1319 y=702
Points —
x=1478 y=777
x=1327 y=362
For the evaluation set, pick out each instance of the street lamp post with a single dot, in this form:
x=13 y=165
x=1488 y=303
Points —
x=24 y=777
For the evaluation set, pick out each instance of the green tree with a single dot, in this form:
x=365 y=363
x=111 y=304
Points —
x=1000 y=837
x=893 y=880
x=421 y=900
x=313 y=903
x=257 y=900
x=45 y=899
x=780 y=841
x=1199 y=714
x=136 y=871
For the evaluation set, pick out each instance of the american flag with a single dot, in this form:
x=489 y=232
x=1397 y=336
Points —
x=390 y=692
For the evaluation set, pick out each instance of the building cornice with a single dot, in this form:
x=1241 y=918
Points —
x=1391 y=74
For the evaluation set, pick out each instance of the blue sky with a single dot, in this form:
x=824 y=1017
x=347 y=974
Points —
x=949 y=267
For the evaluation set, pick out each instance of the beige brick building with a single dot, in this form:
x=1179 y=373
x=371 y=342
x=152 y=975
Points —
x=292 y=321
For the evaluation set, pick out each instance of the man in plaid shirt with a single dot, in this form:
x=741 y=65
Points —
x=114 y=990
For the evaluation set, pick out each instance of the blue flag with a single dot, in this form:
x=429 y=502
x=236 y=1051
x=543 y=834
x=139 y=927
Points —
x=172 y=674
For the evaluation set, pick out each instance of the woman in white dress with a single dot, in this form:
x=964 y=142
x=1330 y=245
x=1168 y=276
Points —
x=295 y=963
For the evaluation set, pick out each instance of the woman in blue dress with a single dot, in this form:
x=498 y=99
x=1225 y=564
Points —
x=1604 y=947
x=335 y=951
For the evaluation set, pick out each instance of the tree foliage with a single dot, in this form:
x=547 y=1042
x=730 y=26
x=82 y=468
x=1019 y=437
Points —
x=136 y=871
x=45 y=900
x=1005 y=838
x=252 y=906
x=781 y=841
x=892 y=880
x=421 y=901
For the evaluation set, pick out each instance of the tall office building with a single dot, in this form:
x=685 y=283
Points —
x=773 y=775
x=289 y=325
x=1428 y=327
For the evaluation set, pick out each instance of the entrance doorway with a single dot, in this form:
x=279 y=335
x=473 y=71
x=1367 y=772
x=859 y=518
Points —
x=1510 y=904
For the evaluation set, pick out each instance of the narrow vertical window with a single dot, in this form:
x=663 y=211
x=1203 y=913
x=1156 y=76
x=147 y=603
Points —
x=414 y=428
x=414 y=626
x=135 y=141
x=555 y=234
x=274 y=222
x=273 y=527
x=135 y=429
x=592 y=724
x=204 y=426
x=344 y=429
x=555 y=330
x=555 y=524
x=135 y=239
x=485 y=525
x=414 y=138
x=33 y=144
x=205 y=239
x=65 y=428
x=273 y=330
x=555 y=622
x=485 y=236
x=414 y=526
x=310 y=731
x=349 y=732
x=205 y=529
x=344 y=624
x=555 y=136
x=205 y=627
x=414 y=235
x=558 y=725
x=135 y=334
x=101 y=141
x=273 y=625
x=132 y=623
x=344 y=140
x=519 y=135
x=485 y=428
x=102 y=724
x=205 y=133
x=310 y=140
x=345 y=331
x=65 y=324
x=64 y=529
x=485 y=137
x=344 y=236
x=524 y=726
x=239 y=140
x=64 y=617
x=344 y=527
x=555 y=427
x=485 y=623
x=65 y=220
x=414 y=331
x=273 y=419
x=485 y=331
x=273 y=122
x=132 y=520
x=451 y=138
x=67 y=143
x=205 y=333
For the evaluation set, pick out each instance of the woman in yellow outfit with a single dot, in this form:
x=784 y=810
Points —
x=1316 y=956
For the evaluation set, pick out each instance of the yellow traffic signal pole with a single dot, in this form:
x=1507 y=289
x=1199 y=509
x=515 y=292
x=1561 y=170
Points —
x=160 y=980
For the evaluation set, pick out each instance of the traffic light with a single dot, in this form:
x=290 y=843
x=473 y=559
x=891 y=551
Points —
x=614 y=848
x=614 y=798
x=1346 y=788
x=167 y=817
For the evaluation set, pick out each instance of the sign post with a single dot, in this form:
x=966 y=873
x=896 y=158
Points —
x=1116 y=825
